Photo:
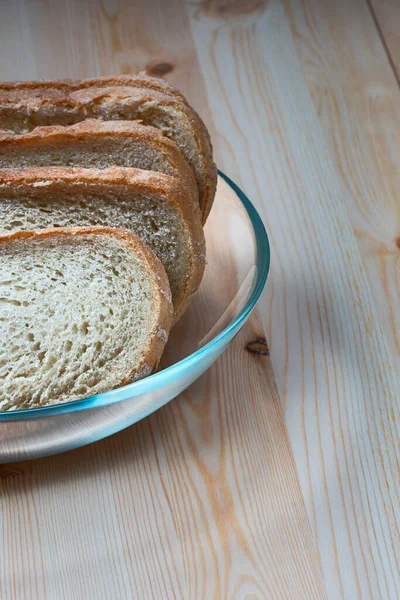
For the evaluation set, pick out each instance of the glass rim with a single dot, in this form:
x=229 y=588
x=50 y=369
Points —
x=149 y=384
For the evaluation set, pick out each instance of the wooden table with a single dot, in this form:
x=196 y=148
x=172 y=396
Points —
x=294 y=491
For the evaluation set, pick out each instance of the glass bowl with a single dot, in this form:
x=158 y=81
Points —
x=235 y=275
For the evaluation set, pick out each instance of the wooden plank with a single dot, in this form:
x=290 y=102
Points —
x=202 y=499
x=331 y=347
x=358 y=108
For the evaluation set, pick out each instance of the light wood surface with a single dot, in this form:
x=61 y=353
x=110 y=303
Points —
x=242 y=488
x=200 y=500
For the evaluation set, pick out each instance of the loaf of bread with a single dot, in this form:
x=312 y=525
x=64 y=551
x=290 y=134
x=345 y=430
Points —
x=26 y=106
x=82 y=311
x=98 y=144
x=155 y=206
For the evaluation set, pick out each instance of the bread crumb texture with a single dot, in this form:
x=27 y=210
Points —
x=76 y=318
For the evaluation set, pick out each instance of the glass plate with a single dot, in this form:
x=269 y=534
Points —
x=237 y=268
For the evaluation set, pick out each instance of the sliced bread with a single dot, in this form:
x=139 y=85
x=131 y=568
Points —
x=24 y=108
x=82 y=311
x=99 y=144
x=155 y=206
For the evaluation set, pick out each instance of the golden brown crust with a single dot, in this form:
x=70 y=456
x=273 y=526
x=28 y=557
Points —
x=35 y=98
x=135 y=80
x=149 y=182
x=101 y=130
x=162 y=307
x=84 y=102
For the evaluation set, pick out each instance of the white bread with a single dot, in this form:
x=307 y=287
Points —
x=82 y=311
x=155 y=206
x=99 y=144
x=24 y=107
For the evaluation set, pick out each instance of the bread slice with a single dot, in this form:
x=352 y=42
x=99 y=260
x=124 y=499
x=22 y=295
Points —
x=82 y=311
x=24 y=108
x=155 y=206
x=99 y=144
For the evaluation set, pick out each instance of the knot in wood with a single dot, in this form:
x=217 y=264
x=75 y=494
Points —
x=9 y=472
x=158 y=69
x=221 y=8
x=258 y=346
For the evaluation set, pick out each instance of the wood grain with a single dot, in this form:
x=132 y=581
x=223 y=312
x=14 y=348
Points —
x=202 y=499
x=332 y=342
x=360 y=117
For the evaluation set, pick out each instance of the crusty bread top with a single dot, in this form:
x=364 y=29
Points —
x=94 y=127
x=88 y=102
x=135 y=80
x=147 y=182
x=101 y=130
x=161 y=315
x=35 y=99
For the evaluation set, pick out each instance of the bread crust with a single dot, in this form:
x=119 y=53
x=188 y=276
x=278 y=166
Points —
x=79 y=98
x=162 y=306
x=135 y=79
x=168 y=188
x=103 y=130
